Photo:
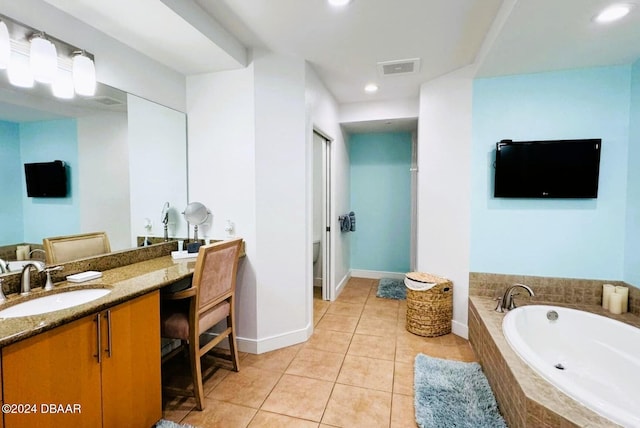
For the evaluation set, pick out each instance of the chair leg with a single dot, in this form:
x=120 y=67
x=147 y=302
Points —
x=196 y=373
x=233 y=348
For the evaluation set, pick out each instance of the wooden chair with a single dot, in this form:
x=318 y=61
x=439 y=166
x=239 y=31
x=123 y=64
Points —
x=61 y=249
x=210 y=301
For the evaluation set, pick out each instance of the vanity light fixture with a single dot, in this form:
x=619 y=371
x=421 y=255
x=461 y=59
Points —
x=613 y=13
x=43 y=58
x=32 y=54
x=84 y=74
x=5 y=46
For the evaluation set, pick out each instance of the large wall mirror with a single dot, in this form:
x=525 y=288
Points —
x=126 y=160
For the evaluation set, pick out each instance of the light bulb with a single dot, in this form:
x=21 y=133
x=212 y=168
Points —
x=43 y=58
x=613 y=13
x=84 y=75
x=5 y=46
x=19 y=71
x=62 y=86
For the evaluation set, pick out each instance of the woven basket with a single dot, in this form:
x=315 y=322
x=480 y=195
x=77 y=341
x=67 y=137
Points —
x=429 y=312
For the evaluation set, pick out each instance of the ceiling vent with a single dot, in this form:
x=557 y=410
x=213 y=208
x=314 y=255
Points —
x=107 y=101
x=402 y=66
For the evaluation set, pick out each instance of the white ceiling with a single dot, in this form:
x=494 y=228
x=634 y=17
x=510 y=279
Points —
x=343 y=45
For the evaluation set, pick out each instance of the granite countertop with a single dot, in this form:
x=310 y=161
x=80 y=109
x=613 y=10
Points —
x=127 y=282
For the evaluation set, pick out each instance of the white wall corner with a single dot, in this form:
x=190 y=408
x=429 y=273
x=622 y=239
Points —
x=444 y=156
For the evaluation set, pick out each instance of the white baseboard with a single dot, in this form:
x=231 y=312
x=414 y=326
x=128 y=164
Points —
x=460 y=329
x=376 y=274
x=340 y=286
x=266 y=344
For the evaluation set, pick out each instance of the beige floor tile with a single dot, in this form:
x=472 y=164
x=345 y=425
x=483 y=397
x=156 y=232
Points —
x=367 y=373
x=466 y=353
x=316 y=364
x=220 y=414
x=248 y=387
x=402 y=412
x=338 y=323
x=176 y=408
x=379 y=302
x=330 y=341
x=299 y=397
x=379 y=347
x=277 y=360
x=355 y=282
x=346 y=309
x=380 y=311
x=274 y=420
x=403 y=379
x=355 y=298
x=354 y=407
x=316 y=319
x=406 y=353
x=376 y=327
x=320 y=306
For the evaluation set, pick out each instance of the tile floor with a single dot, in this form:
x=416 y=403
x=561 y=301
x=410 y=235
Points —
x=355 y=371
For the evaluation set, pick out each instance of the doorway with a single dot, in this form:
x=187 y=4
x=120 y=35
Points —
x=322 y=214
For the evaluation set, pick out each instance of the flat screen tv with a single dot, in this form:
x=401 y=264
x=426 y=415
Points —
x=46 y=179
x=547 y=169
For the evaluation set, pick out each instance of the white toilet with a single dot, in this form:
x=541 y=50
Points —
x=317 y=267
x=316 y=251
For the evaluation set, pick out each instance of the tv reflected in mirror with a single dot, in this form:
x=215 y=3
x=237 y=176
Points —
x=46 y=179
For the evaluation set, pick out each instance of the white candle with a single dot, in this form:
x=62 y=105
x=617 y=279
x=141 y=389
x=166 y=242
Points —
x=607 y=290
x=624 y=293
x=615 y=303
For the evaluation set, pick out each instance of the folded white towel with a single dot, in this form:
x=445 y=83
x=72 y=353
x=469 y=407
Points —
x=417 y=285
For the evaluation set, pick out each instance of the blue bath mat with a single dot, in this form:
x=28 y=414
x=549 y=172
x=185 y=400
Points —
x=389 y=288
x=453 y=394
x=164 y=423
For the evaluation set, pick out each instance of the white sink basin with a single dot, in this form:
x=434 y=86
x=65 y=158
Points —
x=54 y=302
x=16 y=266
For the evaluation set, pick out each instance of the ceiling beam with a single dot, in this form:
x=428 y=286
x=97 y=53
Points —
x=191 y=12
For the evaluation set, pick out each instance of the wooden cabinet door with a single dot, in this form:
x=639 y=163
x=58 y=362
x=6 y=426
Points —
x=52 y=371
x=131 y=384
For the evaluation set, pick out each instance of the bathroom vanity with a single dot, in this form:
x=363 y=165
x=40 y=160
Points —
x=95 y=364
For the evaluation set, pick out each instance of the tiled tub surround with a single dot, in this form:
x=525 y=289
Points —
x=525 y=399
x=572 y=291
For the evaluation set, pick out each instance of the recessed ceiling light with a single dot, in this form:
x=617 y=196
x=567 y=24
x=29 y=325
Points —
x=371 y=88
x=613 y=13
x=339 y=3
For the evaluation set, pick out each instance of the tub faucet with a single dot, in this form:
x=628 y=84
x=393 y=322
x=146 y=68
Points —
x=506 y=302
x=26 y=280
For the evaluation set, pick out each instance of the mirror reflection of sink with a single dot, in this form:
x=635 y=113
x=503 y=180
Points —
x=54 y=302
x=16 y=266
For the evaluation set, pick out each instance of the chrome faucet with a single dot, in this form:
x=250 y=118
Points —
x=26 y=279
x=4 y=266
x=37 y=250
x=506 y=302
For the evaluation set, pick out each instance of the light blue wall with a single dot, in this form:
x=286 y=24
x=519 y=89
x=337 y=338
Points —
x=10 y=184
x=44 y=142
x=381 y=198
x=566 y=238
x=632 y=244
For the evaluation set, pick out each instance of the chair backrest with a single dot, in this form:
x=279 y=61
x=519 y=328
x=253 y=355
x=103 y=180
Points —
x=215 y=273
x=61 y=249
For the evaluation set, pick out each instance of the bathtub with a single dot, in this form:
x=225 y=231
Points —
x=593 y=359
